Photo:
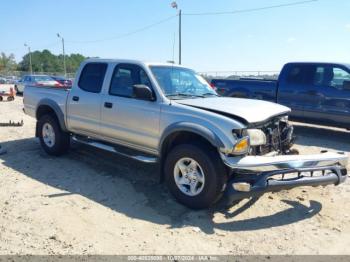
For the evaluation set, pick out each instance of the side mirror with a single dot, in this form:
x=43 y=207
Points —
x=143 y=92
x=346 y=85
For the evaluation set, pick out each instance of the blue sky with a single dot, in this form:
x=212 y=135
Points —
x=264 y=40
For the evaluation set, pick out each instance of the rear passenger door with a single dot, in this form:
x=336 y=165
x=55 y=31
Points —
x=84 y=100
x=126 y=120
x=292 y=88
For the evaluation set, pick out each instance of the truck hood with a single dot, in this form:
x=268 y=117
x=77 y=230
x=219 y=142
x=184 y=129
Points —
x=250 y=110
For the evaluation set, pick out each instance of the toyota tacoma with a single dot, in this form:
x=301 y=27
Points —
x=206 y=145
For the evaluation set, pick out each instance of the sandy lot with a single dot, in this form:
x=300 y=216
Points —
x=93 y=202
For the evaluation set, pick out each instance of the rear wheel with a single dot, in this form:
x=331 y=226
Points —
x=1 y=98
x=195 y=175
x=52 y=138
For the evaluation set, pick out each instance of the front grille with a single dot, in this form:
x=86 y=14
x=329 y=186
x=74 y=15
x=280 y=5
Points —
x=273 y=139
x=278 y=136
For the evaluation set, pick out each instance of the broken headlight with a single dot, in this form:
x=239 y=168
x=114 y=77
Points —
x=257 y=137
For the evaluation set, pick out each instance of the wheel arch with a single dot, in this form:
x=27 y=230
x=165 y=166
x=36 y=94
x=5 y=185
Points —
x=48 y=106
x=184 y=132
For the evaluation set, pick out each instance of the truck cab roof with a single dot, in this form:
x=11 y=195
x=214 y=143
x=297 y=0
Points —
x=320 y=63
x=130 y=61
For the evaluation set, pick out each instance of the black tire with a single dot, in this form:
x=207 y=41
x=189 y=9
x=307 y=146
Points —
x=62 y=139
x=1 y=98
x=10 y=98
x=214 y=171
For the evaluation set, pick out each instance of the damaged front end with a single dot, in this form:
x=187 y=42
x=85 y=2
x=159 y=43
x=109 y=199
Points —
x=256 y=175
x=270 y=165
x=279 y=137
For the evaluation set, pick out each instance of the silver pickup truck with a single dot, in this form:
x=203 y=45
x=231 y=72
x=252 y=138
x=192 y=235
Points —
x=206 y=145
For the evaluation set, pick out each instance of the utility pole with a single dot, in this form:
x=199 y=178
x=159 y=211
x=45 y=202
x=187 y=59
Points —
x=174 y=5
x=180 y=37
x=30 y=58
x=64 y=55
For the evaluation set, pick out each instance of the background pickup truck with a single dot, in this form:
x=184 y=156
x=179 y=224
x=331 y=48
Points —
x=205 y=145
x=316 y=92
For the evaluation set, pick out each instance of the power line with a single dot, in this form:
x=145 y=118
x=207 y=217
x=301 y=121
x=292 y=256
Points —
x=173 y=16
x=129 y=33
x=251 y=9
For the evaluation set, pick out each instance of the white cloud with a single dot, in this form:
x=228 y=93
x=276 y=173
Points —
x=291 y=39
x=347 y=27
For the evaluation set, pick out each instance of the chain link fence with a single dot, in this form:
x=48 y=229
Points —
x=15 y=75
x=241 y=74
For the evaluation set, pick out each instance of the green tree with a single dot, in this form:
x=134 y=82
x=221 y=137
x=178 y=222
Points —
x=73 y=61
x=7 y=63
x=45 y=61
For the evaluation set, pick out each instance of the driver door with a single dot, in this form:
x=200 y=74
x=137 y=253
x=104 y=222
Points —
x=336 y=99
x=125 y=119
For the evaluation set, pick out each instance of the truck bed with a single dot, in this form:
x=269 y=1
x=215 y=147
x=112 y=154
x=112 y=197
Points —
x=33 y=95
x=247 y=88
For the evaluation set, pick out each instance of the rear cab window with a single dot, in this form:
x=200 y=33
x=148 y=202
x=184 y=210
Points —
x=300 y=74
x=295 y=75
x=92 y=77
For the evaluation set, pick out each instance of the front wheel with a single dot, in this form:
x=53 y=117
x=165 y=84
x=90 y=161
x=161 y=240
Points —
x=52 y=138
x=195 y=175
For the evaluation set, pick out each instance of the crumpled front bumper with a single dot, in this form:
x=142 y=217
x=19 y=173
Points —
x=256 y=175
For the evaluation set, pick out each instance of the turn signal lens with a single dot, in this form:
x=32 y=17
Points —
x=242 y=146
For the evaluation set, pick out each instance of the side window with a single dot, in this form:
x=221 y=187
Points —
x=144 y=80
x=340 y=76
x=330 y=76
x=125 y=76
x=92 y=76
x=295 y=75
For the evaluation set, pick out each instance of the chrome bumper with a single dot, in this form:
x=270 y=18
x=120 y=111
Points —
x=273 y=163
x=256 y=175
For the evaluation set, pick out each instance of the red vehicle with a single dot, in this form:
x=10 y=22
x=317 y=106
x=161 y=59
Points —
x=67 y=83
x=10 y=95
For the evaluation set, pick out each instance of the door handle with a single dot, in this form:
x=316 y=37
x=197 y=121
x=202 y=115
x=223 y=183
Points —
x=75 y=98
x=108 y=105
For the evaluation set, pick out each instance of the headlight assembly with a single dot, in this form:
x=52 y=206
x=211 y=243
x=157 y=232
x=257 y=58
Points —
x=257 y=137
x=284 y=119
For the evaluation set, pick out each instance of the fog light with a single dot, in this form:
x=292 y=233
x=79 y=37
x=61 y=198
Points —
x=242 y=187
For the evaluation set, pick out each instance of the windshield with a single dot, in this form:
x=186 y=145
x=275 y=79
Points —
x=178 y=83
x=42 y=78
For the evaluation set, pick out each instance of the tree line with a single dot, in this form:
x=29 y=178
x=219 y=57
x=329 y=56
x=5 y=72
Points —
x=42 y=61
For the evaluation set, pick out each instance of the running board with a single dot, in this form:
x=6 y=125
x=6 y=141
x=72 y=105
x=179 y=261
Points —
x=144 y=159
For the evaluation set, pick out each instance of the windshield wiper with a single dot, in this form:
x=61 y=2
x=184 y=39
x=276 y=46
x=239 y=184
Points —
x=209 y=94
x=184 y=94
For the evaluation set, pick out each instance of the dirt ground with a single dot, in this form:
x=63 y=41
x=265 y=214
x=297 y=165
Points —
x=93 y=202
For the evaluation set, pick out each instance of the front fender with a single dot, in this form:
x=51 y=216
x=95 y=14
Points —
x=193 y=128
